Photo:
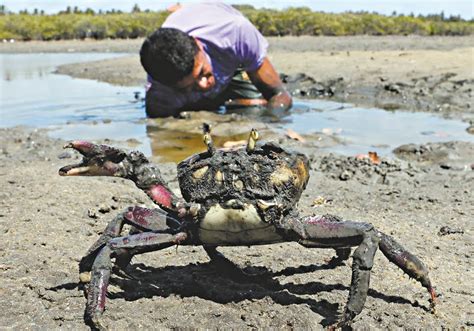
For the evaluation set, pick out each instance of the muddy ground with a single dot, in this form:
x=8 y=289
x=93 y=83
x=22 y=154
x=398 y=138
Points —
x=422 y=196
x=48 y=222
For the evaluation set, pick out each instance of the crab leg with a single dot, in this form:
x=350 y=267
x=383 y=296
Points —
x=219 y=259
x=143 y=219
x=331 y=232
x=103 y=160
x=101 y=269
x=406 y=261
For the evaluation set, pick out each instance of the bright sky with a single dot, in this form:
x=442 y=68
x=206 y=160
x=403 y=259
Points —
x=449 y=7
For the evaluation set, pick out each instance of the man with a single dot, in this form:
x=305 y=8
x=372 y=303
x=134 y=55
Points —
x=206 y=55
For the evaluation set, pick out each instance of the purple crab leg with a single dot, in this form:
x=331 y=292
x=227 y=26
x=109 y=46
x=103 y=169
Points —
x=143 y=219
x=406 y=261
x=332 y=232
x=101 y=269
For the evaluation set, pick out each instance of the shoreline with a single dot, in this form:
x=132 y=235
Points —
x=429 y=74
x=287 y=43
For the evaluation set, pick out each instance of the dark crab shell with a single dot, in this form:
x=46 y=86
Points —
x=270 y=178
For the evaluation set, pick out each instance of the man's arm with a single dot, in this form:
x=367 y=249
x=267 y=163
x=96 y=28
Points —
x=268 y=82
x=154 y=109
x=162 y=101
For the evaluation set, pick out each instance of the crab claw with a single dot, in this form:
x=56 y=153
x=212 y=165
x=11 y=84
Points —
x=98 y=160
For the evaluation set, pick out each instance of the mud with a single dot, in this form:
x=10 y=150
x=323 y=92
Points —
x=445 y=94
x=48 y=222
x=422 y=196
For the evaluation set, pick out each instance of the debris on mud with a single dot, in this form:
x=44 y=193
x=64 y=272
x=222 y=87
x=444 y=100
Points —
x=362 y=169
x=456 y=153
x=445 y=93
x=445 y=230
x=302 y=85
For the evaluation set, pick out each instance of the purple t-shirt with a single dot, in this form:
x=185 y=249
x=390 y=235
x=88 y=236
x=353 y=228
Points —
x=229 y=41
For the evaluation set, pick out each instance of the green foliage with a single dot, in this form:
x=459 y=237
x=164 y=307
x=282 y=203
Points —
x=73 y=23
x=303 y=21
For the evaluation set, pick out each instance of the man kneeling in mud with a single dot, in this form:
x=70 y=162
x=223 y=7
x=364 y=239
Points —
x=207 y=55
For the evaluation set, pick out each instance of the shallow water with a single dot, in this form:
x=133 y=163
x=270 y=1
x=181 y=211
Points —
x=32 y=95
x=377 y=129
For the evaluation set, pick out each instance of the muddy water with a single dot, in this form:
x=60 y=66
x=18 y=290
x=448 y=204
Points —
x=32 y=95
x=376 y=129
x=177 y=145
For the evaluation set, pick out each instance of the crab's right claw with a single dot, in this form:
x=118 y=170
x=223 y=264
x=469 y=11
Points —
x=98 y=160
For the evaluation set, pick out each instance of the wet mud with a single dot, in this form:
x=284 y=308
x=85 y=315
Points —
x=444 y=94
x=48 y=222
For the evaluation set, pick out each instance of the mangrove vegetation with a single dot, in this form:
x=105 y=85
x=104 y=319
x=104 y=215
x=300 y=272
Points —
x=73 y=23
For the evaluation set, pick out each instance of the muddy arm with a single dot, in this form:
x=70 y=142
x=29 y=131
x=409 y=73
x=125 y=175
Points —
x=268 y=82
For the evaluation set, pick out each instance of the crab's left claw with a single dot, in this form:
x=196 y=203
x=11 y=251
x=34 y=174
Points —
x=98 y=160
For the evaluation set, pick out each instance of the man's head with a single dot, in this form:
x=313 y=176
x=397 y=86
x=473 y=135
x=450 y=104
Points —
x=175 y=59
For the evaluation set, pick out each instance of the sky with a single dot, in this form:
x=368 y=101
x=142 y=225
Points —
x=464 y=8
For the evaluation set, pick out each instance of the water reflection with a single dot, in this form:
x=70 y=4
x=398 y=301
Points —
x=32 y=66
x=30 y=94
x=10 y=74
x=174 y=146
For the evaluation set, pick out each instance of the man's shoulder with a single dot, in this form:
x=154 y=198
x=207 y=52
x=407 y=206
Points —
x=204 y=10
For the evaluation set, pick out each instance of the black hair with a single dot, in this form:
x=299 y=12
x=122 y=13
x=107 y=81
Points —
x=167 y=55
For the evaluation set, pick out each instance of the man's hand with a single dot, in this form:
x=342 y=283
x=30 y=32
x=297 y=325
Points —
x=268 y=82
x=280 y=102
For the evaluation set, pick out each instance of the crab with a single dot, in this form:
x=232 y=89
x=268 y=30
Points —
x=230 y=197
